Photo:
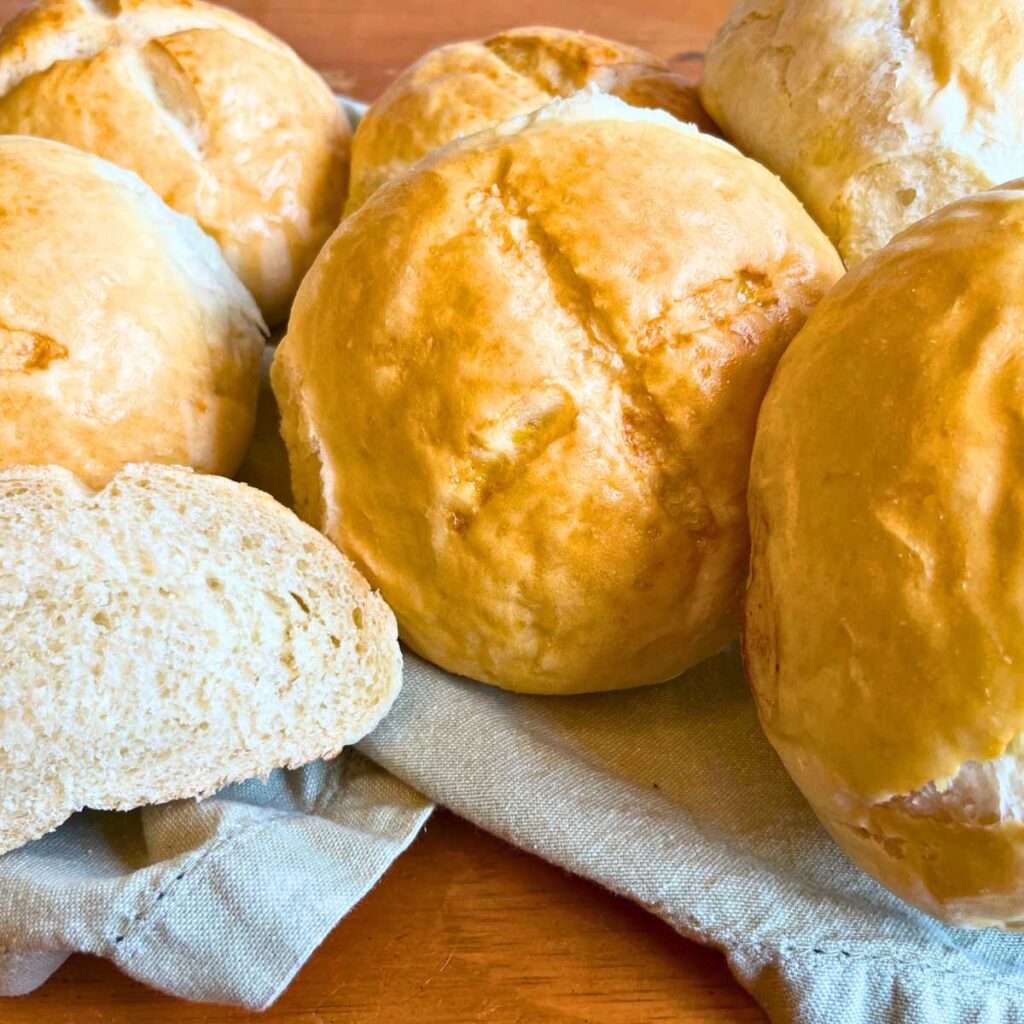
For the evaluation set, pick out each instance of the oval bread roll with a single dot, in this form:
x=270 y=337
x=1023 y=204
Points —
x=875 y=113
x=222 y=119
x=519 y=389
x=167 y=635
x=883 y=625
x=463 y=88
x=124 y=336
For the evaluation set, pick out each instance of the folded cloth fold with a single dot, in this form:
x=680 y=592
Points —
x=221 y=900
x=672 y=797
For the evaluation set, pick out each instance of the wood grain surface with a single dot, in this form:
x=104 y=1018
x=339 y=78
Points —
x=360 y=45
x=463 y=927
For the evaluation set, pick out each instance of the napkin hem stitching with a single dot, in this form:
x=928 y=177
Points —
x=914 y=962
x=730 y=942
x=146 y=918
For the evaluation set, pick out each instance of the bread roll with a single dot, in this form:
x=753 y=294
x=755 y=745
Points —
x=222 y=119
x=519 y=389
x=874 y=113
x=169 y=635
x=883 y=626
x=466 y=87
x=124 y=335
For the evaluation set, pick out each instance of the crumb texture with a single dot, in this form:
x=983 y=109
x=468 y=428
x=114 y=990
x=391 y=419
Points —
x=167 y=635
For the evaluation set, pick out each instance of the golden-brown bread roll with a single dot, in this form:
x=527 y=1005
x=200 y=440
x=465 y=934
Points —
x=124 y=334
x=883 y=626
x=519 y=389
x=463 y=88
x=222 y=119
x=874 y=113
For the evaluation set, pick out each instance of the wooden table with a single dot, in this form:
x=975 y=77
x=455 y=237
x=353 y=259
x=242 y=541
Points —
x=463 y=927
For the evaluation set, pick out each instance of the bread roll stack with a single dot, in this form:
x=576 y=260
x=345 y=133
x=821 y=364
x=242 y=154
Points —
x=519 y=389
x=222 y=119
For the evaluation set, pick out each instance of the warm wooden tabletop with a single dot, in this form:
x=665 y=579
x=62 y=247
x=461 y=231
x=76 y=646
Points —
x=463 y=928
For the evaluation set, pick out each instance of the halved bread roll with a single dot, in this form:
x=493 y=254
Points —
x=167 y=635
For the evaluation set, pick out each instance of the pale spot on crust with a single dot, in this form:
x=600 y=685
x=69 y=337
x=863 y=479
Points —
x=502 y=450
x=170 y=90
x=104 y=8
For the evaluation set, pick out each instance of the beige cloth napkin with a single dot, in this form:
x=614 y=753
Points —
x=221 y=900
x=671 y=796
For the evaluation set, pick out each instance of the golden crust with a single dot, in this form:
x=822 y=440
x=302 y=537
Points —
x=874 y=113
x=886 y=592
x=219 y=117
x=970 y=875
x=466 y=87
x=124 y=336
x=527 y=421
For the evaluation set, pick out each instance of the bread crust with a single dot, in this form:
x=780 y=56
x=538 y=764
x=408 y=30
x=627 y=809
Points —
x=222 y=119
x=527 y=421
x=875 y=113
x=124 y=335
x=466 y=87
x=884 y=606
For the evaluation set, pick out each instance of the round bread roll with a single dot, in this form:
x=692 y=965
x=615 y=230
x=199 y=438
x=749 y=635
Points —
x=883 y=624
x=222 y=119
x=466 y=87
x=874 y=113
x=124 y=335
x=519 y=389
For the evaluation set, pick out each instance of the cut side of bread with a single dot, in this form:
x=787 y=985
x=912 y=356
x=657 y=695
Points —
x=169 y=634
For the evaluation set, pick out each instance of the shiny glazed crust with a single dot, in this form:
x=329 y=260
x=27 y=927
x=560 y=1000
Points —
x=886 y=594
x=528 y=421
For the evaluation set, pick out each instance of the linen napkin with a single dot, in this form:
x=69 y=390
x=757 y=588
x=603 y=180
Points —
x=221 y=900
x=671 y=796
